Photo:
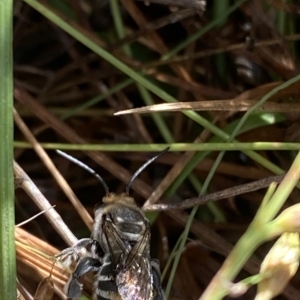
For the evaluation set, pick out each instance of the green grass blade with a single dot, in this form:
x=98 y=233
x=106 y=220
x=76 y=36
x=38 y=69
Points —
x=7 y=219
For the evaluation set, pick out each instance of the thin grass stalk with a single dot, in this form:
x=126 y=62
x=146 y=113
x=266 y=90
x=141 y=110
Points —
x=7 y=219
x=259 y=146
x=188 y=225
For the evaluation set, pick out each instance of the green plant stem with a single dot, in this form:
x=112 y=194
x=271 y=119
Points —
x=272 y=146
x=259 y=231
x=7 y=219
x=283 y=191
x=233 y=263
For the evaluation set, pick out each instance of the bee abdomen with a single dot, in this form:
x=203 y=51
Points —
x=105 y=286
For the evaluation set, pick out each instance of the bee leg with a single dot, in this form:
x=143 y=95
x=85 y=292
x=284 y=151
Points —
x=159 y=295
x=83 y=248
x=73 y=288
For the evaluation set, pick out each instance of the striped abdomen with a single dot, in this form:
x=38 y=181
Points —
x=104 y=285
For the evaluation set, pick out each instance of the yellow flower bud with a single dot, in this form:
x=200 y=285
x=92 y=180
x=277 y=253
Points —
x=289 y=219
x=279 y=266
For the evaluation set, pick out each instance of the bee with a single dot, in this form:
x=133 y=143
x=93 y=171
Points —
x=118 y=250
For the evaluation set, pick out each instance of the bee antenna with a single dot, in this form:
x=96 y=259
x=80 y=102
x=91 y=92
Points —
x=142 y=168
x=85 y=167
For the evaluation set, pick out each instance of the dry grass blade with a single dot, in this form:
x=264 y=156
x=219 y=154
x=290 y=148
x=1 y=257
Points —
x=231 y=192
x=209 y=52
x=240 y=103
x=32 y=218
x=34 y=193
x=39 y=256
x=214 y=105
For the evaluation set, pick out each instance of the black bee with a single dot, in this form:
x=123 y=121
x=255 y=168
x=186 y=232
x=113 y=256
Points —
x=118 y=250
